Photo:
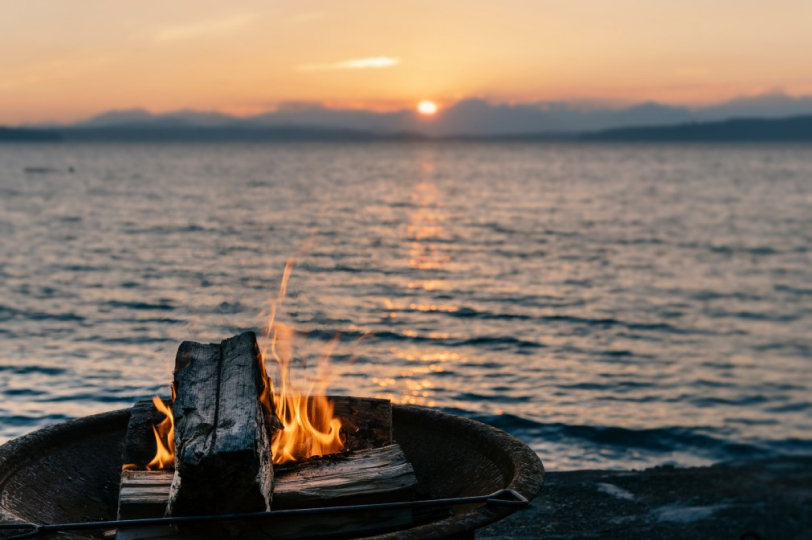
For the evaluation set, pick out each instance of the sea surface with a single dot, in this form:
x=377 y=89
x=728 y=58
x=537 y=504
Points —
x=612 y=306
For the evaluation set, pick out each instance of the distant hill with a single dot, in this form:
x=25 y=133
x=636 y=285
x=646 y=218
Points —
x=793 y=129
x=178 y=131
x=28 y=135
x=476 y=120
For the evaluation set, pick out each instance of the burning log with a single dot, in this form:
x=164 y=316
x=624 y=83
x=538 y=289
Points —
x=139 y=445
x=366 y=422
x=362 y=477
x=222 y=434
x=219 y=435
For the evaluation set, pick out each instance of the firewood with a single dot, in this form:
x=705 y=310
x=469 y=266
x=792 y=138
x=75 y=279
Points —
x=367 y=422
x=362 y=477
x=366 y=476
x=143 y=494
x=139 y=443
x=373 y=475
x=222 y=440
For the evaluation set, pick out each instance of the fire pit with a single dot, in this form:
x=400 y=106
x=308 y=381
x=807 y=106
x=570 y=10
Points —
x=71 y=472
x=230 y=456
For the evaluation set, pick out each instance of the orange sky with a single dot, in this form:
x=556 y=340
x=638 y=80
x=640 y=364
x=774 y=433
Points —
x=68 y=59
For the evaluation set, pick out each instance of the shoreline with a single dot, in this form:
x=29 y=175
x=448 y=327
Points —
x=771 y=497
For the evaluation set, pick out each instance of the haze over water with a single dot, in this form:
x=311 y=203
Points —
x=612 y=306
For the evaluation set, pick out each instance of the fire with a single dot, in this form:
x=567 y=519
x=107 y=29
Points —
x=164 y=437
x=164 y=433
x=307 y=426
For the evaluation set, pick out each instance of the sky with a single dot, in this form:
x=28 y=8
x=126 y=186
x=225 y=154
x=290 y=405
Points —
x=64 y=60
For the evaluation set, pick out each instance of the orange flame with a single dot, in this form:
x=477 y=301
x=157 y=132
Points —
x=307 y=425
x=164 y=438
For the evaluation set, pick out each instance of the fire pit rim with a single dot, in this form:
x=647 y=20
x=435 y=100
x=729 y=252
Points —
x=523 y=465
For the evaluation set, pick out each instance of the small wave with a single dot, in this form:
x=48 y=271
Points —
x=40 y=170
x=92 y=398
x=164 y=230
x=68 y=317
x=23 y=420
x=790 y=407
x=470 y=313
x=495 y=342
x=500 y=398
x=664 y=441
x=140 y=305
x=754 y=316
x=33 y=370
x=498 y=342
x=127 y=340
x=793 y=290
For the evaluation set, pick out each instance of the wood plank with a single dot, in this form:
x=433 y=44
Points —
x=221 y=435
x=143 y=494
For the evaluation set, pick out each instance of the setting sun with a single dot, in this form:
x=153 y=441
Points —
x=427 y=107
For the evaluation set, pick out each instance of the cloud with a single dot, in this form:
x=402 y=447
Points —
x=374 y=62
x=198 y=29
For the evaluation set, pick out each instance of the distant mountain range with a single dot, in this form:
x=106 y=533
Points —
x=768 y=117
x=471 y=117
x=28 y=135
x=792 y=129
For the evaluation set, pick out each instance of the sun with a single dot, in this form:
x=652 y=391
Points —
x=427 y=107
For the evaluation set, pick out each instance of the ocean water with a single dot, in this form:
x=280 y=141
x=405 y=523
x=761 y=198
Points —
x=612 y=306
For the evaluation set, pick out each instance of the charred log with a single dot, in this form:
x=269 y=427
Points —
x=367 y=422
x=139 y=444
x=222 y=437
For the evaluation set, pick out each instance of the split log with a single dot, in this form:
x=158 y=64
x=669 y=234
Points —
x=367 y=476
x=139 y=443
x=363 y=477
x=222 y=437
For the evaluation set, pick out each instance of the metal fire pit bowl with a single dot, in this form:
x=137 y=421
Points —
x=70 y=472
